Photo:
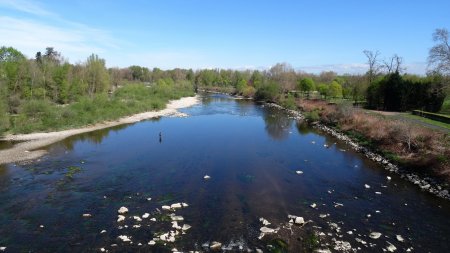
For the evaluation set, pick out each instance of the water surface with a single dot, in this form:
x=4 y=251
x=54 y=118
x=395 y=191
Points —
x=251 y=152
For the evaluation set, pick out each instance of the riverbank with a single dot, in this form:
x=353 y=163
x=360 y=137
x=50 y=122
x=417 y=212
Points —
x=30 y=144
x=429 y=181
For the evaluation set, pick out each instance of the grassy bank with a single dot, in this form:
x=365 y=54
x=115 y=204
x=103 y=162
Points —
x=43 y=115
x=412 y=146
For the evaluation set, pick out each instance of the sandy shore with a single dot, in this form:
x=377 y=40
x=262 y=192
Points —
x=28 y=149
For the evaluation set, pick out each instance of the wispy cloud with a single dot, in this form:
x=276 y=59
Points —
x=44 y=28
x=26 y=6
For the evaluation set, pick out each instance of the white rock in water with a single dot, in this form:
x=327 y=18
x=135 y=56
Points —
x=267 y=230
x=123 y=210
x=151 y=242
x=124 y=238
x=175 y=225
x=41 y=226
x=149 y=199
x=184 y=204
x=164 y=237
x=171 y=239
x=103 y=231
x=322 y=251
x=175 y=206
x=215 y=245
x=388 y=178
x=2 y=248
x=378 y=193
x=313 y=205
x=120 y=218
x=391 y=248
x=185 y=227
x=399 y=238
x=165 y=207
x=299 y=172
x=102 y=249
x=375 y=235
x=264 y=221
x=177 y=218
x=322 y=215
x=136 y=226
x=367 y=186
x=137 y=218
x=206 y=177
x=146 y=215
x=299 y=220
x=153 y=219
x=259 y=251
x=87 y=215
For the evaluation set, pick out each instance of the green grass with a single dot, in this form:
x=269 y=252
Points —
x=43 y=115
x=426 y=120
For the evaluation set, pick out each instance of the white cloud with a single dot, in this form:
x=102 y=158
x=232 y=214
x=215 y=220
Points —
x=76 y=41
x=26 y=6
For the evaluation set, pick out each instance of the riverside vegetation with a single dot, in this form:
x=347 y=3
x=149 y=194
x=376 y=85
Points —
x=48 y=93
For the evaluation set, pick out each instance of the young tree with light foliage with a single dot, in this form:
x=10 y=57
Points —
x=439 y=55
x=97 y=75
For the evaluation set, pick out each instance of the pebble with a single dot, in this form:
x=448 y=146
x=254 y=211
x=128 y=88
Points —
x=149 y=199
x=151 y=242
x=185 y=227
x=103 y=231
x=124 y=238
x=388 y=178
x=399 y=238
x=87 y=215
x=313 y=205
x=367 y=186
x=2 y=248
x=299 y=220
x=120 y=218
x=123 y=210
x=267 y=230
x=165 y=207
x=391 y=248
x=375 y=235
x=299 y=172
x=146 y=215
x=378 y=193
x=175 y=206
x=206 y=177
x=215 y=245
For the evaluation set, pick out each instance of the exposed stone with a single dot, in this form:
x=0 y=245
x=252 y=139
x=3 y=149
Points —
x=122 y=210
x=120 y=218
x=124 y=238
x=215 y=245
x=399 y=238
x=375 y=235
x=299 y=220
x=145 y=215
x=175 y=206
x=206 y=177
x=87 y=215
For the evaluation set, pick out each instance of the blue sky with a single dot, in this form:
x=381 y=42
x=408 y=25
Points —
x=312 y=36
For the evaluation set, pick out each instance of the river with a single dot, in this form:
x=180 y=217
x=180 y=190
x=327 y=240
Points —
x=261 y=163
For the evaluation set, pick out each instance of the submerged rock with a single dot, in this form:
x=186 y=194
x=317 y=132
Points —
x=367 y=186
x=165 y=207
x=299 y=172
x=185 y=227
x=122 y=210
x=206 y=177
x=87 y=215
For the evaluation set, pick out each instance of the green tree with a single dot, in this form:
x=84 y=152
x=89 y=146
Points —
x=323 y=90
x=335 y=90
x=97 y=75
x=306 y=85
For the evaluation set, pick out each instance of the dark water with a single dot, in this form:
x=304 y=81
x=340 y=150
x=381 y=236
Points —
x=252 y=154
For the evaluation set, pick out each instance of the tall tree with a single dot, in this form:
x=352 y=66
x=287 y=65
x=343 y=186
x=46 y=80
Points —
x=97 y=75
x=374 y=66
x=439 y=55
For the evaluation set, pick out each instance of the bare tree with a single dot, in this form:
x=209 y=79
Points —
x=374 y=66
x=394 y=64
x=439 y=55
